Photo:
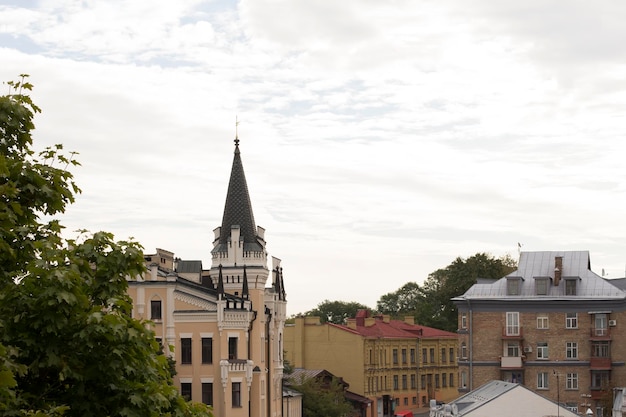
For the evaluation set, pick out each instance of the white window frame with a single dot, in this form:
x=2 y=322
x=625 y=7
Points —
x=463 y=320
x=542 y=350
x=571 y=320
x=542 y=322
x=512 y=323
x=542 y=380
x=571 y=350
x=572 y=381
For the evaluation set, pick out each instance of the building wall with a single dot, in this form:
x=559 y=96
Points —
x=489 y=346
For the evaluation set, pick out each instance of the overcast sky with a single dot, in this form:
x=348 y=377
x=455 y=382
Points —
x=380 y=139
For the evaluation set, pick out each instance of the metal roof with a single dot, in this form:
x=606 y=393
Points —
x=534 y=266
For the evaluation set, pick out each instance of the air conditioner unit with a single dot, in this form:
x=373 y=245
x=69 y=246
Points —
x=528 y=349
x=612 y=323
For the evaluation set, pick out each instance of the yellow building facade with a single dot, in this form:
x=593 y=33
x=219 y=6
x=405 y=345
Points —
x=223 y=326
x=380 y=359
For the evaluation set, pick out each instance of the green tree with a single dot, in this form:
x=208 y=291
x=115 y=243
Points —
x=431 y=303
x=336 y=311
x=68 y=344
x=323 y=399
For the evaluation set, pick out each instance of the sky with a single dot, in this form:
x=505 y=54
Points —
x=381 y=140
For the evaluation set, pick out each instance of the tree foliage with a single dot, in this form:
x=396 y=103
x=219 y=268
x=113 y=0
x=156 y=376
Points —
x=68 y=343
x=431 y=303
x=320 y=398
x=336 y=312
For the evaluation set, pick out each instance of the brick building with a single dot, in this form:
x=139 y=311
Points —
x=552 y=325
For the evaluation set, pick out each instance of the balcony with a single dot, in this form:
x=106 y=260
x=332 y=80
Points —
x=600 y=364
x=600 y=334
x=511 y=362
x=512 y=333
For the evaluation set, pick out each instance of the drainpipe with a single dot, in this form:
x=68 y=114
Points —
x=471 y=350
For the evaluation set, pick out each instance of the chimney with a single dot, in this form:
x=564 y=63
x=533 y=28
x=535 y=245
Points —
x=558 y=269
x=409 y=319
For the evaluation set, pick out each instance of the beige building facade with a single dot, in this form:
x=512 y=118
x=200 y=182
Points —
x=381 y=359
x=223 y=326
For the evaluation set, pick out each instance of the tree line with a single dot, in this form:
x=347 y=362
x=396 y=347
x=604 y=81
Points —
x=430 y=303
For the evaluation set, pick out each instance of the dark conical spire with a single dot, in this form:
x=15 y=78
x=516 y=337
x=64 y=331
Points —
x=238 y=209
x=220 y=283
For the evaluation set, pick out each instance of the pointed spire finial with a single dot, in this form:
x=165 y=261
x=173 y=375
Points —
x=236 y=131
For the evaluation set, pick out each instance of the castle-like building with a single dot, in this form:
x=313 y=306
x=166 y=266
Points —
x=222 y=326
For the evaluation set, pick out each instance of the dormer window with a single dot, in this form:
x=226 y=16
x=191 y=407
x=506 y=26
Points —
x=570 y=286
x=513 y=286
x=541 y=285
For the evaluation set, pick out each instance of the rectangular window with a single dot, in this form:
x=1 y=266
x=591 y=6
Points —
x=542 y=380
x=451 y=380
x=463 y=379
x=463 y=320
x=542 y=322
x=424 y=355
x=207 y=393
x=571 y=320
x=412 y=353
x=185 y=350
x=570 y=287
x=395 y=356
x=571 y=350
x=512 y=324
x=232 y=348
x=542 y=350
x=541 y=286
x=452 y=355
x=403 y=355
x=395 y=382
x=443 y=355
x=463 y=350
x=572 y=381
x=207 y=350
x=422 y=381
x=406 y=401
x=513 y=286
x=404 y=382
x=600 y=349
x=155 y=310
x=432 y=355
x=600 y=324
x=236 y=387
x=185 y=390
x=512 y=350
x=413 y=381
x=444 y=380
x=437 y=381
x=599 y=379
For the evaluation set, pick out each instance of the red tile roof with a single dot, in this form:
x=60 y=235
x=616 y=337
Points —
x=393 y=329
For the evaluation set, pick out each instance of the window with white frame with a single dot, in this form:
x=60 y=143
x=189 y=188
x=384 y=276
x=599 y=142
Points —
x=542 y=322
x=463 y=350
x=571 y=320
x=572 y=380
x=542 y=350
x=542 y=380
x=571 y=350
x=463 y=379
x=463 y=320
x=512 y=323
x=512 y=349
